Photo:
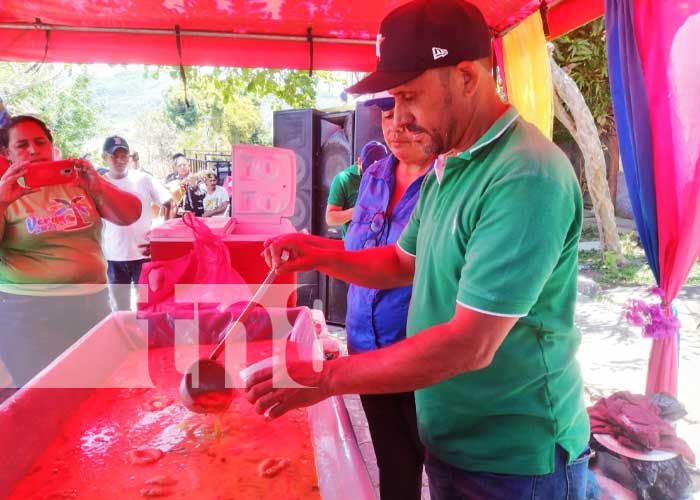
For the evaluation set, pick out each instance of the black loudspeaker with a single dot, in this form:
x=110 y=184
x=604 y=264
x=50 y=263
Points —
x=334 y=296
x=297 y=129
x=322 y=143
x=223 y=170
x=335 y=156
x=368 y=127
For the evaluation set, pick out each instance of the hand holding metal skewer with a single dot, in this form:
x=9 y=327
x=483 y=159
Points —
x=206 y=386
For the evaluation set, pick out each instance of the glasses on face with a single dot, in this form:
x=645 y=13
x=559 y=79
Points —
x=376 y=226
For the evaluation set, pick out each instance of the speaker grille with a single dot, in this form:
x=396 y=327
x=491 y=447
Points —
x=336 y=155
x=368 y=126
x=296 y=129
x=323 y=145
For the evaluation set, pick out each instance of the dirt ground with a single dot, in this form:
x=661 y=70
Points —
x=614 y=356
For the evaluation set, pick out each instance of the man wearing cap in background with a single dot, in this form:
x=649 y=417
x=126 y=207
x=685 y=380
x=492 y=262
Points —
x=126 y=248
x=491 y=249
x=343 y=192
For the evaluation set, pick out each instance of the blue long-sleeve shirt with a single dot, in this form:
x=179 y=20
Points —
x=377 y=318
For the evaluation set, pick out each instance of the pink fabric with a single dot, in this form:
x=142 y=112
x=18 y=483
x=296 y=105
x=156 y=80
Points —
x=666 y=36
x=666 y=33
x=633 y=419
x=662 y=371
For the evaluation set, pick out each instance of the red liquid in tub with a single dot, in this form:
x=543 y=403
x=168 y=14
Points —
x=143 y=443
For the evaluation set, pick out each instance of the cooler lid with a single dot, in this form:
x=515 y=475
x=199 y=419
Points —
x=263 y=183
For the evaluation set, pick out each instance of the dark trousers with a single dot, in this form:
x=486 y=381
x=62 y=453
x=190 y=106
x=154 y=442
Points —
x=122 y=274
x=567 y=482
x=394 y=430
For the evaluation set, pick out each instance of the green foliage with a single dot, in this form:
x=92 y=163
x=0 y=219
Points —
x=225 y=102
x=293 y=88
x=582 y=54
x=284 y=87
x=634 y=269
x=590 y=233
x=213 y=120
x=60 y=95
x=182 y=116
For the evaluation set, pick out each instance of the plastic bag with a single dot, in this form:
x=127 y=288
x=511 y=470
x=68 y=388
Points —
x=208 y=263
x=665 y=480
x=671 y=408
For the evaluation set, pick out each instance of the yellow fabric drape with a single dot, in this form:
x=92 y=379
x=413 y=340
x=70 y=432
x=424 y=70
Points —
x=528 y=75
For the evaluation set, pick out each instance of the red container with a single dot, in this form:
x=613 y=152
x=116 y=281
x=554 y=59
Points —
x=263 y=193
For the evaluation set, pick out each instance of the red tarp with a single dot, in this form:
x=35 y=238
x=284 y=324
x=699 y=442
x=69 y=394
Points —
x=344 y=30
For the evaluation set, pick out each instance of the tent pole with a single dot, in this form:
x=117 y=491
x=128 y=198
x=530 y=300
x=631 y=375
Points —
x=170 y=32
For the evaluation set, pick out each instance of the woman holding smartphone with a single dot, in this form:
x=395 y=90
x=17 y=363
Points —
x=52 y=271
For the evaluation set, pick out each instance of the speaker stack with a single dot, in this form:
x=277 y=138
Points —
x=324 y=145
x=223 y=170
x=368 y=126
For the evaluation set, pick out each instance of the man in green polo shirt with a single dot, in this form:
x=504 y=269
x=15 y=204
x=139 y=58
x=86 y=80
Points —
x=491 y=251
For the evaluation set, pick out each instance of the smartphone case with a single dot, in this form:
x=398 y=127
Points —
x=49 y=173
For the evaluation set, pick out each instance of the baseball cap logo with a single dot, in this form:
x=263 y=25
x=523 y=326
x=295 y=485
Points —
x=378 y=46
x=439 y=53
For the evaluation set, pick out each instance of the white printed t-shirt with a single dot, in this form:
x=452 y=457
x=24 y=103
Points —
x=121 y=243
x=214 y=200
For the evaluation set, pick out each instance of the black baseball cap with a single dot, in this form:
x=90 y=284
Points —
x=425 y=34
x=113 y=143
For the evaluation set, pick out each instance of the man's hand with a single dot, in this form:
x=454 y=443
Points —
x=304 y=255
x=276 y=395
x=10 y=190
x=145 y=247
x=88 y=178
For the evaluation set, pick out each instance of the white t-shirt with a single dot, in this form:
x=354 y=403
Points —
x=121 y=243
x=214 y=200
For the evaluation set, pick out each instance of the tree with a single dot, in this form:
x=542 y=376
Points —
x=583 y=105
x=159 y=138
x=212 y=121
x=285 y=87
x=59 y=94
x=224 y=103
x=571 y=110
x=582 y=55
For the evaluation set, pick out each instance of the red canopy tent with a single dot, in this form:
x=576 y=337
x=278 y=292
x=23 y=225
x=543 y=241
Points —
x=246 y=33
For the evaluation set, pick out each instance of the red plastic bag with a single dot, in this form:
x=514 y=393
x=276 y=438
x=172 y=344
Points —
x=207 y=265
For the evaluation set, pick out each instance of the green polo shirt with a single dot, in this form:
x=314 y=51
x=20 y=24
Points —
x=497 y=231
x=344 y=189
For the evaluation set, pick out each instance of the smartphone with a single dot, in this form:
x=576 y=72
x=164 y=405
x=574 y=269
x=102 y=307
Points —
x=49 y=173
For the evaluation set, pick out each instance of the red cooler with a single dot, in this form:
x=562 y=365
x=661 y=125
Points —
x=263 y=191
